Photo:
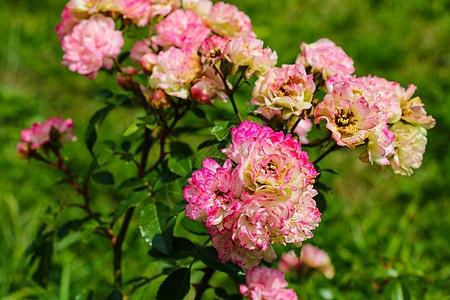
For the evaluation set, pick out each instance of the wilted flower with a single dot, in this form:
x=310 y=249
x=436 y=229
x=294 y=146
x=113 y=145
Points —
x=92 y=44
x=226 y=20
x=175 y=71
x=54 y=130
x=325 y=57
x=287 y=89
x=182 y=28
x=266 y=284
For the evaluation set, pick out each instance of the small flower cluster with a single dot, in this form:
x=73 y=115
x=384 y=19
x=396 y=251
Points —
x=380 y=113
x=266 y=199
x=357 y=110
x=266 y=284
x=220 y=33
x=52 y=131
x=311 y=257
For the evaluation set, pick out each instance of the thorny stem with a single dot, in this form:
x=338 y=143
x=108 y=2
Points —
x=323 y=155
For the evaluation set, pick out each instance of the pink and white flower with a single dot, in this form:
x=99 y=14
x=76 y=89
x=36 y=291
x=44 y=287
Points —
x=68 y=21
x=287 y=89
x=40 y=134
x=138 y=11
x=410 y=142
x=248 y=52
x=229 y=249
x=302 y=129
x=266 y=199
x=175 y=71
x=379 y=146
x=208 y=87
x=326 y=58
x=213 y=48
x=200 y=7
x=348 y=114
x=143 y=55
x=313 y=257
x=266 y=284
x=413 y=112
x=92 y=44
x=182 y=28
x=226 y=20
x=164 y=7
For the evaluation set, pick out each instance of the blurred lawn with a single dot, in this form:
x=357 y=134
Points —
x=374 y=219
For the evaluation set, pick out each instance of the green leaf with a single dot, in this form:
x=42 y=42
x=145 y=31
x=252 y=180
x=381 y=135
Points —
x=175 y=286
x=103 y=177
x=104 y=95
x=194 y=227
x=207 y=143
x=125 y=146
x=395 y=290
x=198 y=112
x=133 y=128
x=152 y=220
x=131 y=200
x=42 y=251
x=321 y=202
x=115 y=295
x=181 y=167
x=180 y=149
x=132 y=183
x=182 y=248
x=181 y=205
x=323 y=187
x=96 y=119
x=210 y=257
x=221 y=129
x=163 y=242
x=85 y=295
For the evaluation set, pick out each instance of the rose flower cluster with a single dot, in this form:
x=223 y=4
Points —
x=369 y=111
x=193 y=50
x=266 y=199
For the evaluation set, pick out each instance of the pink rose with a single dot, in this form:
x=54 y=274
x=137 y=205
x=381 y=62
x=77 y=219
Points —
x=182 y=28
x=200 y=7
x=139 y=11
x=349 y=116
x=175 y=71
x=248 y=52
x=410 y=142
x=266 y=284
x=226 y=20
x=325 y=57
x=287 y=89
x=316 y=258
x=208 y=87
x=92 y=44
x=164 y=7
x=39 y=134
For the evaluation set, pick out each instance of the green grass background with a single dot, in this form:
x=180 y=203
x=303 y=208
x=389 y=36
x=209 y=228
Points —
x=374 y=220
